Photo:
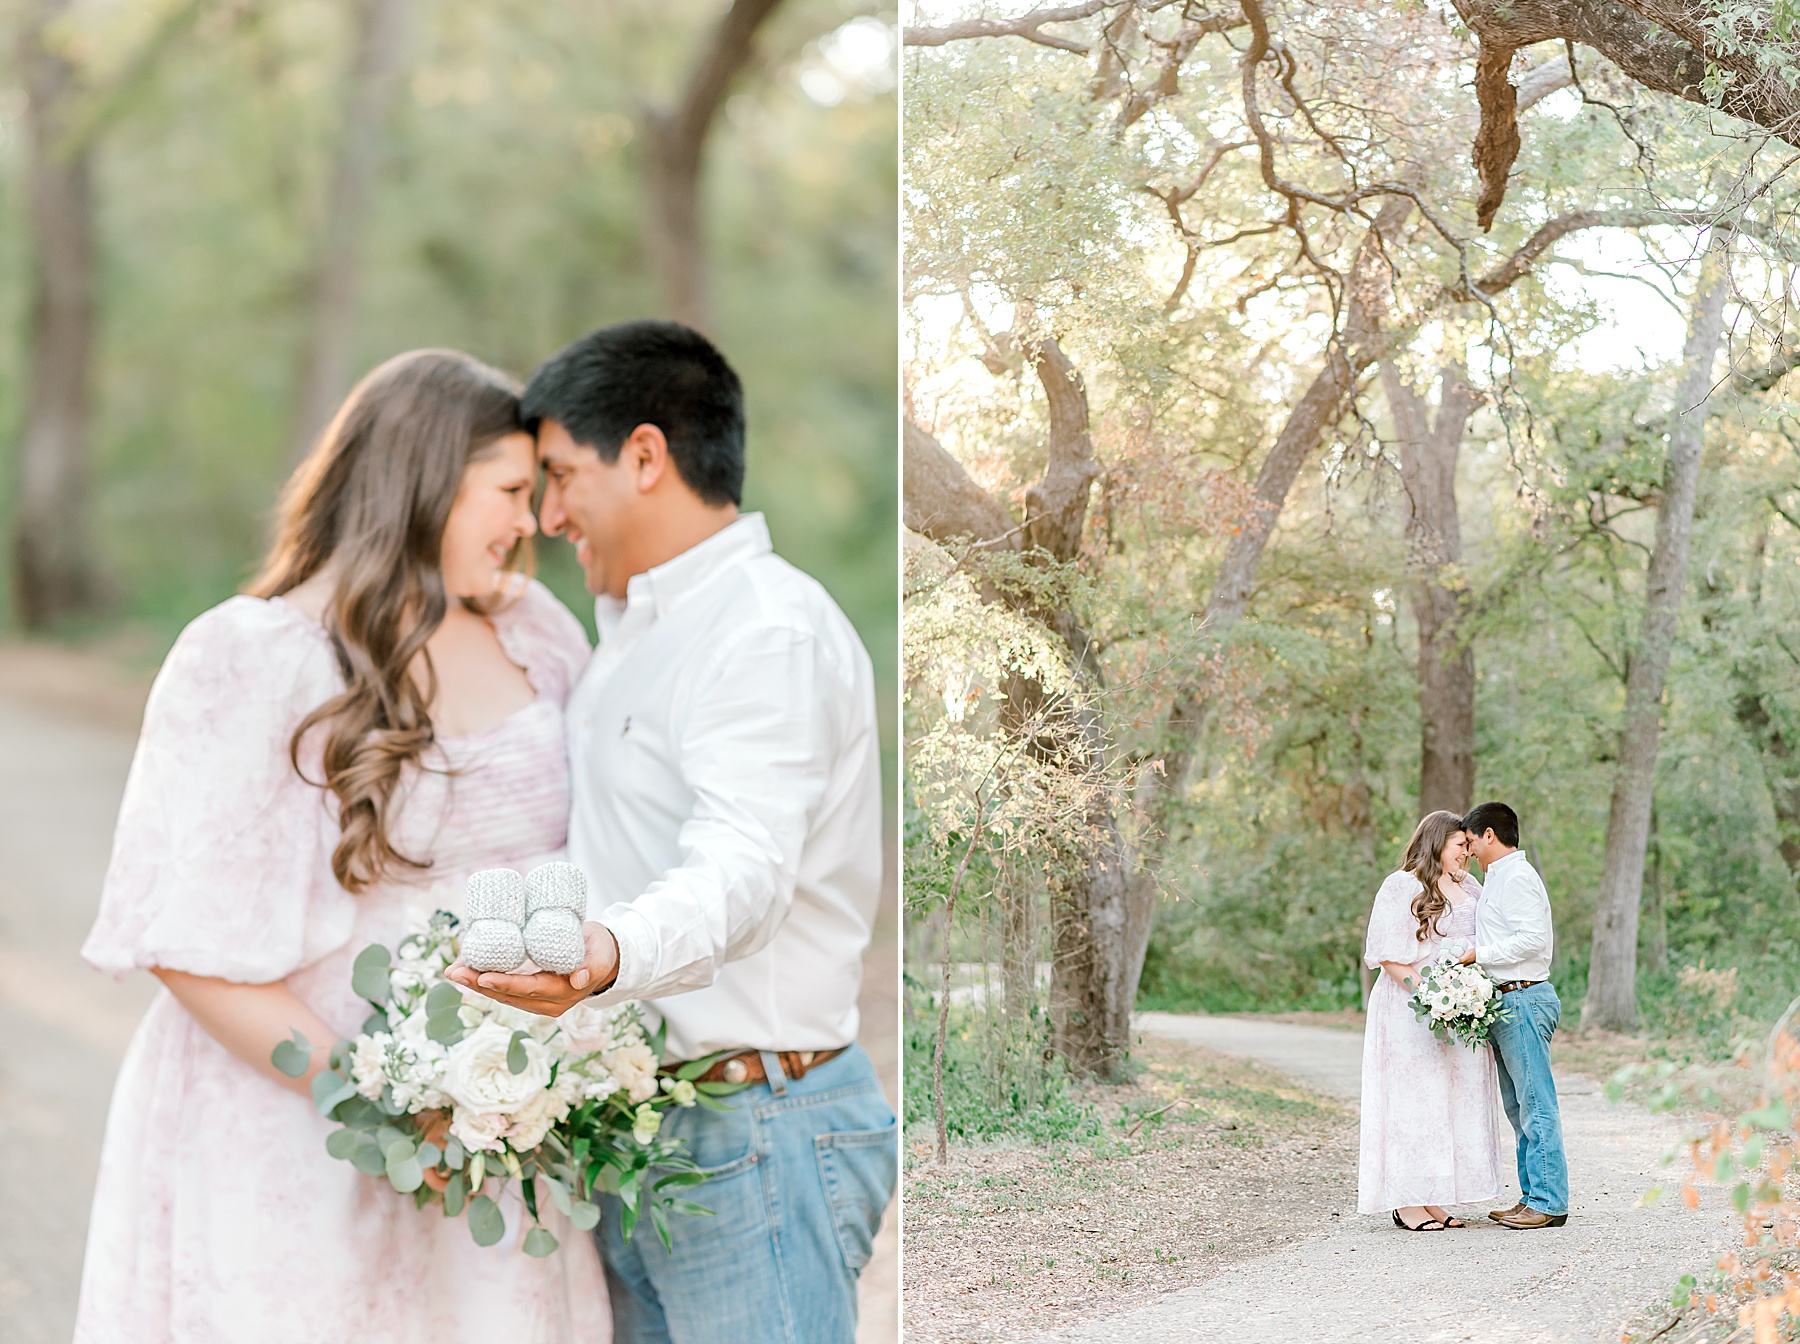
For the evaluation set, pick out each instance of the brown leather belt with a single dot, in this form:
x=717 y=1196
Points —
x=746 y=1066
x=1508 y=986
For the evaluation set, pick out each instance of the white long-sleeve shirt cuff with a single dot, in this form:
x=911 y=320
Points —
x=636 y=938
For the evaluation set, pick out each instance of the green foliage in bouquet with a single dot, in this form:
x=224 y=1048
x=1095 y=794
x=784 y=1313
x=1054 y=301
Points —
x=1457 y=1001
x=608 y=1138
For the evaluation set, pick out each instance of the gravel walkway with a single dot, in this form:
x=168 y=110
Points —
x=1369 y=1281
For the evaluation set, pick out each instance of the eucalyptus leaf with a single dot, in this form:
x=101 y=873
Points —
x=456 y=1194
x=583 y=1216
x=444 y=1028
x=357 y=1113
x=539 y=1242
x=366 y=1156
x=443 y=997
x=559 y=1195
x=455 y=1154
x=292 y=1056
x=486 y=1224
x=341 y=1143
x=430 y=1155
x=516 y=1058
x=336 y=1088
x=369 y=973
x=374 y=1022
x=404 y=1172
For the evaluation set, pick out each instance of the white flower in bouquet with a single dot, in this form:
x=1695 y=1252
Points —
x=480 y=1131
x=1457 y=1000
x=368 y=1066
x=552 y=1103
x=478 y=1078
x=634 y=1066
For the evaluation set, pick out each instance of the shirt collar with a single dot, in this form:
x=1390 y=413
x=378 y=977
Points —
x=663 y=586
x=1500 y=863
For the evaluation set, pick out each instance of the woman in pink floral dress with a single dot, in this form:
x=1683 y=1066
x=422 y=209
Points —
x=1429 y=1137
x=322 y=762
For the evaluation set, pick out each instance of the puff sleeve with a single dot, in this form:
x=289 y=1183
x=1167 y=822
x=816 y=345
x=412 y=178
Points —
x=1393 y=929
x=221 y=862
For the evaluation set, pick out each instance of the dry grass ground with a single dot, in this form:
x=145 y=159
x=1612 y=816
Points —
x=1006 y=1242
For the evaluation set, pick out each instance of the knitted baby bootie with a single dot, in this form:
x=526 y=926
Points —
x=495 y=905
x=555 y=902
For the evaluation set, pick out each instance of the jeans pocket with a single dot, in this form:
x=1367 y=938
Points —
x=858 y=1168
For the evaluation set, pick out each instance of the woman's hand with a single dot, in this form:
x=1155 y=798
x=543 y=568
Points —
x=434 y=1127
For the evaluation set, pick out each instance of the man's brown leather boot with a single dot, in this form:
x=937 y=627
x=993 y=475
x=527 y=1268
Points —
x=1529 y=1218
x=1498 y=1214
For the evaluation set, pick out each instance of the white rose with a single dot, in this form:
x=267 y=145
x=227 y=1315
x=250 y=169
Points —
x=368 y=1066
x=533 y=1122
x=477 y=1077
x=479 y=1133
x=635 y=1068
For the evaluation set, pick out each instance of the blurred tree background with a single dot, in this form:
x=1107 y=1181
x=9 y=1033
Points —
x=274 y=197
x=1342 y=390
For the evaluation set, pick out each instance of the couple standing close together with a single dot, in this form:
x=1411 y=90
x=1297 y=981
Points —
x=393 y=705
x=1429 y=1133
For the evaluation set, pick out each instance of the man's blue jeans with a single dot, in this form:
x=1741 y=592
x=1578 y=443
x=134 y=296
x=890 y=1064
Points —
x=1522 y=1050
x=798 y=1176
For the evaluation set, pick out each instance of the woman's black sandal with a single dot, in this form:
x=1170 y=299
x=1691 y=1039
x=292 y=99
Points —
x=1429 y=1225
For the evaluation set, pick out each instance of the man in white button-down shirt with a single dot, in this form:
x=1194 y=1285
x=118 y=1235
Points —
x=1514 y=943
x=726 y=807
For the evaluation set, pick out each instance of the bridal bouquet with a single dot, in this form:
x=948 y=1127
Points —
x=1457 y=1000
x=480 y=1094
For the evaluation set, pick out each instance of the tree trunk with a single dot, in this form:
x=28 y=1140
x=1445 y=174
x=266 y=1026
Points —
x=337 y=271
x=677 y=145
x=1318 y=409
x=1101 y=910
x=1656 y=916
x=1428 y=453
x=1018 y=948
x=54 y=574
x=1612 y=972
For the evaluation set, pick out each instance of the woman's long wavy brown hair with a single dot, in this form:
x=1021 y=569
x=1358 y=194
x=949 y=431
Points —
x=1421 y=860
x=371 y=500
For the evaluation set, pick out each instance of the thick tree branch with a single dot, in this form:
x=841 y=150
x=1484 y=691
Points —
x=678 y=143
x=1028 y=26
x=1056 y=507
x=943 y=501
x=1661 y=44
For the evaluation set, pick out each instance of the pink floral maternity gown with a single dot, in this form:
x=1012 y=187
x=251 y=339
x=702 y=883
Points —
x=1429 y=1107
x=218 y=1215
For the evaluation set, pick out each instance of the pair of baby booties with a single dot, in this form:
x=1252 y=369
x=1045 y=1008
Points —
x=539 y=916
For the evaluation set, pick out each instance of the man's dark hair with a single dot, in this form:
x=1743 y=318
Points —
x=609 y=382
x=1495 y=817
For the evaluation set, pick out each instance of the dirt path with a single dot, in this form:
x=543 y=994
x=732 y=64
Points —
x=1367 y=1281
x=64 y=748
